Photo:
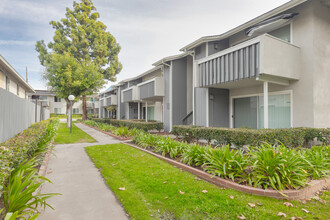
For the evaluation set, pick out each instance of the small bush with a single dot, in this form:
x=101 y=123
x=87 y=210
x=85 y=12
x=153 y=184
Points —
x=142 y=125
x=194 y=155
x=291 y=137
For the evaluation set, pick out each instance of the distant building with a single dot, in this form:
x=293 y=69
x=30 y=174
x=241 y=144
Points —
x=57 y=105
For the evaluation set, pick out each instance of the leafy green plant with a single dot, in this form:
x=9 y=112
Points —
x=194 y=155
x=317 y=161
x=121 y=131
x=277 y=167
x=139 y=124
x=224 y=162
x=18 y=196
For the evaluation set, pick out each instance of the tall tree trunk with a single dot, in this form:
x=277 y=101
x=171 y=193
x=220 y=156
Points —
x=84 y=115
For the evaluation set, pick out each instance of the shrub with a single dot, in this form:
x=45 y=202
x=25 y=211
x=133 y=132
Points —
x=145 y=126
x=194 y=155
x=292 y=137
x=24 y=146
x=317 y=161
x=278 y=167
x=224 y=162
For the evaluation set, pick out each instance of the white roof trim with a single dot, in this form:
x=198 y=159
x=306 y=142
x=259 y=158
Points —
x=16 y=74
x=242 y=27
x=170 y=58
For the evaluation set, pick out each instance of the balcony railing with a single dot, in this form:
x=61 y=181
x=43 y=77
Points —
x=152 y=89
x=111 y=100
x=130 y=94
x=263 y=55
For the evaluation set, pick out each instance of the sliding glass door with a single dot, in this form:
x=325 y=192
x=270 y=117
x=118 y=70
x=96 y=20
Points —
x=249 y=111
x=246 y=112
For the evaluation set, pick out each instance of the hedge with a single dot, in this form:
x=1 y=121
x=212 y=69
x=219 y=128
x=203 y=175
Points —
x=146 y=126
x=24 y=146
x=292 y=137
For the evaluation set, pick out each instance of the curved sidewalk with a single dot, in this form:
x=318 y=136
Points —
x=85 y=195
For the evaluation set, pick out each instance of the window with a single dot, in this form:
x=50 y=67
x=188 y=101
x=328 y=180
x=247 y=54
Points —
x=283 y=33
x=75 y=110
x=7 y=83
x=57 y=110
x=57 y=99
x=249 y=111
x=43 y=98
x=17 y=90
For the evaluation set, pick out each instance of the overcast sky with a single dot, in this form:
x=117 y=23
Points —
x=147 y=30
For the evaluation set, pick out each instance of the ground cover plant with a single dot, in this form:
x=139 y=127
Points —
x=277 y=167
x=77 y=116
x=77 y=136
x=150 y=188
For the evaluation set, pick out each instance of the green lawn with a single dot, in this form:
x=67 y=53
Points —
x=78 y=136
x=152 y=191
x=65 y=116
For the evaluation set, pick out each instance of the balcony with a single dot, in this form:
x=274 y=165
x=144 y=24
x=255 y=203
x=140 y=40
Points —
x=89 y=104
x=111 y=100
x=152 y=90
x=130 y=94
x=263 y=58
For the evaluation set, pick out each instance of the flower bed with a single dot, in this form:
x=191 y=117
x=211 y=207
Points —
x=138 y=124
x=291 y=137
x=265 y=167
x=24 y=146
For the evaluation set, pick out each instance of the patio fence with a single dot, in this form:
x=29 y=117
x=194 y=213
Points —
x=17 y=114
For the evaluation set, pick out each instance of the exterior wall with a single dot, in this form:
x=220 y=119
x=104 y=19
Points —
x=21 y=93
x=321 y=57
x=167 y=103
x=62 y=105
x=189 y=84
x=218 y=107
x=179 y=90
x=133 y=110
x=17 y=114
x=152 y=75
x=216 y=46
x=200 y=52
x=122 y=113
x=158 y=111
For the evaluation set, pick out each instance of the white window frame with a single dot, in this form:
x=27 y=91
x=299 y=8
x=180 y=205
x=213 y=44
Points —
x=284 y=92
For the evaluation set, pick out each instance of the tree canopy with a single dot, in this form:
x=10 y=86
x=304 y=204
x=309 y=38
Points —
x=82 y=52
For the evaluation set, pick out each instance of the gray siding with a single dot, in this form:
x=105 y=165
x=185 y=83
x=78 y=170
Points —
x=122 y=105
x=217 y=46
x=147 y=90
x=133 y=110
x=127 y=95
x=200 y=106
x=179 y=97
x=108 y=101
x=237 y=65
x=17 y=114
x=200 y=52
x=167 y=105
x=134 y=82
x=218 y=107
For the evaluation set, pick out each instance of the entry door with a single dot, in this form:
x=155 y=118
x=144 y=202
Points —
x=246 y=112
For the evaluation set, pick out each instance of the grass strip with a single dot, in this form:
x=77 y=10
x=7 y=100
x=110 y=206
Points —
x=152 y=191
x=77 y=136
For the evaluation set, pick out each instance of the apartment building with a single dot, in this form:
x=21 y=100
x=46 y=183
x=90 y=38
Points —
x=270 y=72
x=56 y=105
x=12 y=81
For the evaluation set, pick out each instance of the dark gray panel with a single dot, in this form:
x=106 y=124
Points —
x=200 y=106
x=147 y=90
x=127 y=95
x=179 y=97
x=108 y=101
x=167 y=105
x=133 y=110
x=200 y=52
x=218 y=107
x=217 y=46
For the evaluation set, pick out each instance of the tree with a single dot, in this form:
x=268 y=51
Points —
x=83 y=37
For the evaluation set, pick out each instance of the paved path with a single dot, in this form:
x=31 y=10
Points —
x=84 y=192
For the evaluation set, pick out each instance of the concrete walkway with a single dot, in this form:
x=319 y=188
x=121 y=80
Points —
x=84 y=192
